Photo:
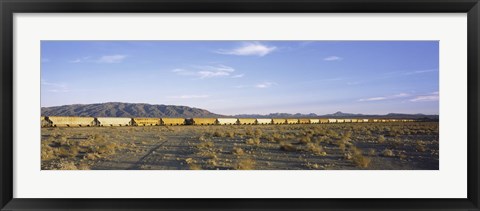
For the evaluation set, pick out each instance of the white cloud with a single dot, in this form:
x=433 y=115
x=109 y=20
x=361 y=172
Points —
x=103 y=59
x=333 y=58
x=178 y=70
x=420 y=71
x=203 y=72
x=211 y=74
x=111 y=59
x=249 y=49
x=189 y=96
x=373 y=99
x=81 y=60
x=264 y=85
x=426 y=98
x=400 y=95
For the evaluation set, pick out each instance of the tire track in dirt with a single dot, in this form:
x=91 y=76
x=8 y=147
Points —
x=140 y=161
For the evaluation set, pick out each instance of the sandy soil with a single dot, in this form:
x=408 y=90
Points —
x=348 y=146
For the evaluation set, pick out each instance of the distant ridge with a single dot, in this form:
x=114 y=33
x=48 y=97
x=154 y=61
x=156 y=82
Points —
x=116 y=109
x=340 y=115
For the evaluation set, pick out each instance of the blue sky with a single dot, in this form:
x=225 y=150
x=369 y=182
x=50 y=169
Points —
x=246 y=77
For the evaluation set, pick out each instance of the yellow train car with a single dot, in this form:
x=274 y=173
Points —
x=347 y=120
x=340 y=121
x=146 y=121
x=355 y=120
x=332 y=120
x=204 y=121
x=279 y=121
x=69 y=121
x=247 y=121
x=324 y=121
x=173 y=121
x=303 y=121
x=314 y=121
x=292 y=121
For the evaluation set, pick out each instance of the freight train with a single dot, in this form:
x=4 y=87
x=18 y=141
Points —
x=70 y=121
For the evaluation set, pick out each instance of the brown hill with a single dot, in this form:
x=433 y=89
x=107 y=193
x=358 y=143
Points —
x=115 y=109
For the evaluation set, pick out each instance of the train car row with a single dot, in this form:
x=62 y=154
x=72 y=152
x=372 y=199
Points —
x=69 y=121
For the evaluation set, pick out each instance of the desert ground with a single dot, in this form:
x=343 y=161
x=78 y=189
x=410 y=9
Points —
x=347 y=146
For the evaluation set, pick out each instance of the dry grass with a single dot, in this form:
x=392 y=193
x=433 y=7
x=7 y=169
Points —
x=257 y=132
x=205 y=145
x=420 y=146
x=388 y=153
x=305 y=139
x=230 y=134
x=287 y=147
x=358 y=158
x=361 y=161
x=381 y=139
x=253 y=141
x=219 y=133
x=66 y=152
x=316 y=149
x=245 y=164
x=226 y=147
x=237 y=151
x=372 y=152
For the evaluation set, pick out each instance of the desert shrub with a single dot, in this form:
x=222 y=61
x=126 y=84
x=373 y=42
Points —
x=230 y=134
x=194 y=166
x=388 y=153
x=245 y=164
x=346 y=137
x=305 y=139
x=340 y=144
x=372 y=152
x=316 y=149
x=287 y=147
x=237 y=151
x=381 y=139
x=219 y=133
x=249 y=132
x=332 y=134
x=205 y=144
x=361 y=161
x=258 y=132
x=358 y=158
x=69 y=165
x=67 y=151
x=212 y=162
x=253 y=141
x=269 y=138
x=420 y=146
x=83 y=166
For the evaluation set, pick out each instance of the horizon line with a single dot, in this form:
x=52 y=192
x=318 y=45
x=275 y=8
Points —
x=239 y=114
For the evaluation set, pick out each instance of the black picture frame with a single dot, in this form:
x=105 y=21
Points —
x=10 y=7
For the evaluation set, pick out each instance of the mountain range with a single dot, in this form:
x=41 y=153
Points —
x=117 y=109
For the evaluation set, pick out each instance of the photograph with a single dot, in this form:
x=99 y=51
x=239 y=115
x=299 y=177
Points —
x=239 y=105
